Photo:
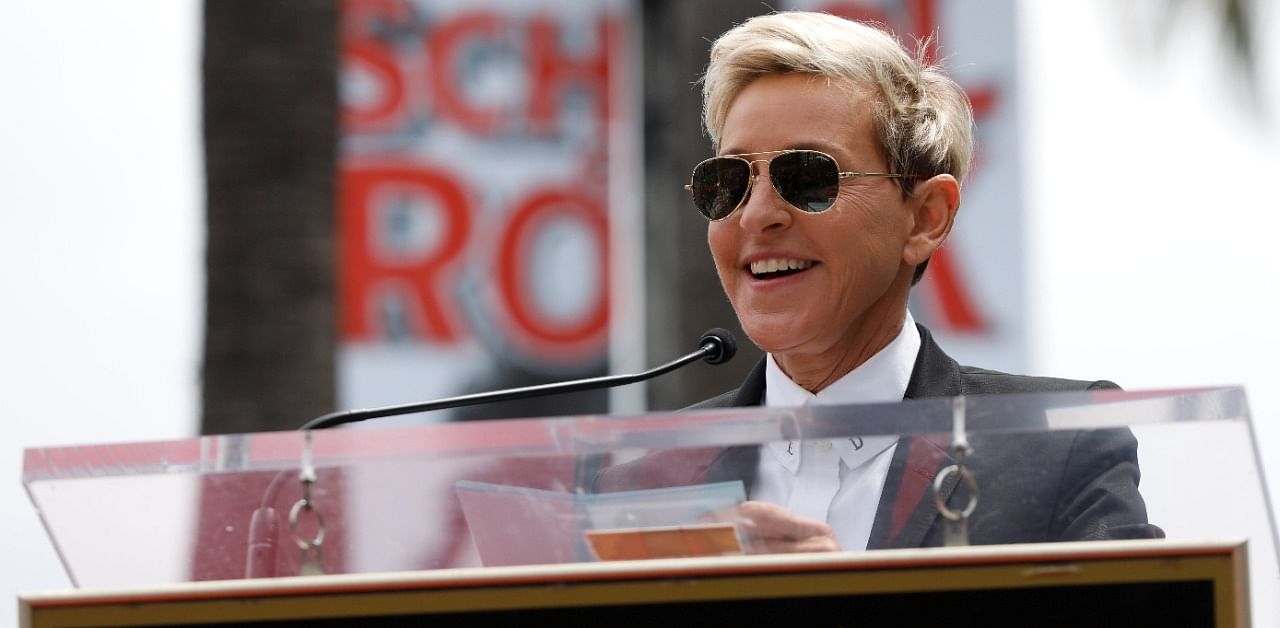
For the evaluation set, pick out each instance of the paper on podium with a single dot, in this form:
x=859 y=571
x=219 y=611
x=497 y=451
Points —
x=512 y=525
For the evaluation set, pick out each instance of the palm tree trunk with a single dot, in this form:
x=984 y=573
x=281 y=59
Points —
x=270 y=131
x=683 y=296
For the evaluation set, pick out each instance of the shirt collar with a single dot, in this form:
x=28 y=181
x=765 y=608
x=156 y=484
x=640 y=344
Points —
x=854 y=451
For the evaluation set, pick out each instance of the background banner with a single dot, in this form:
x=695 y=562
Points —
x=477 y=167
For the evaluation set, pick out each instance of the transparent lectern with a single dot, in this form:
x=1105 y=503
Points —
x=996 y=499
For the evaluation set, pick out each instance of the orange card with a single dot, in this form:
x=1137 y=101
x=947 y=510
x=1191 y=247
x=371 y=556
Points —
x=703 y=539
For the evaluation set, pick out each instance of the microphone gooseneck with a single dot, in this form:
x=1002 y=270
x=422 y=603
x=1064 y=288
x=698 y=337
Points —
x=716 y=346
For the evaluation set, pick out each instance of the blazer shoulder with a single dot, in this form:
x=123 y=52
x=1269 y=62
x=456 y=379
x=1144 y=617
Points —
x=750 y=393
x=976 y=380
x=725 y=400
x=936 y=374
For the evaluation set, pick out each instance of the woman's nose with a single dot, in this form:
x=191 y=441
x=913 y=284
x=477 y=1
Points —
x=763 y=210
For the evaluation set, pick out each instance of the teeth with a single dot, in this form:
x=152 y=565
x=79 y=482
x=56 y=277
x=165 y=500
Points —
x=775 y=265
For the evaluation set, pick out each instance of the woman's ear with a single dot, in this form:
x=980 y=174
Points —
x=933 y=205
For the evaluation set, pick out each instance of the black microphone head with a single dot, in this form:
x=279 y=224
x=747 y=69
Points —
x=720 y=346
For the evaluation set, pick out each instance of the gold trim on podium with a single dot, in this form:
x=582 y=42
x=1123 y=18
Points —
x=603 y=585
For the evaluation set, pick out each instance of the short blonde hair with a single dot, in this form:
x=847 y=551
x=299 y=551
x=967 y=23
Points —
x=923 y=119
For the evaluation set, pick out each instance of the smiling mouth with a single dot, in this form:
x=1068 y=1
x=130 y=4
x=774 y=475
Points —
x=777 y=268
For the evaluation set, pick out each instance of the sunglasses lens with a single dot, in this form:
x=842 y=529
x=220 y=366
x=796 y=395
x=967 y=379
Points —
x=809 y=180
x=718 y=186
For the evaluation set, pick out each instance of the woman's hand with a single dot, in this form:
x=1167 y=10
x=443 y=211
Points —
x=772 y=529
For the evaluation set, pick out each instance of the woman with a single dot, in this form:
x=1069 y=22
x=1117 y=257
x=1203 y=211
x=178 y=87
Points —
x=838 y=167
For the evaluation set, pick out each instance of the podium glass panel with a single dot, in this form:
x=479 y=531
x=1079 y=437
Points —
x=1046 y=467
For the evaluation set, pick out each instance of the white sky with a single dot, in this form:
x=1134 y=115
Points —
x=1154 y=219
x=100 y=242
x=1152 y=224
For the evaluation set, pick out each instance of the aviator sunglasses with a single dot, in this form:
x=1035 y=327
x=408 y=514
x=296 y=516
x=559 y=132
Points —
x=808 y=180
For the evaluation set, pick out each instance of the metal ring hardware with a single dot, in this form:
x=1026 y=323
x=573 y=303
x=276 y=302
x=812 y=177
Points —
x=298 y=507
x=967 y=477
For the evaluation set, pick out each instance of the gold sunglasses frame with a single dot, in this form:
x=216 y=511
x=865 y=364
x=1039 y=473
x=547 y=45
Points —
x=752 y=180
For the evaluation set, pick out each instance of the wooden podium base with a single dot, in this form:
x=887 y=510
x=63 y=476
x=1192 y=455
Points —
x=1110 y=583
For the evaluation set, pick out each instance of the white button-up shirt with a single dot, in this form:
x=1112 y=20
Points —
x=838 y=481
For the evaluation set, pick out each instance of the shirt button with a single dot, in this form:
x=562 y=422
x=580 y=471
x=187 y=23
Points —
x=824 y=445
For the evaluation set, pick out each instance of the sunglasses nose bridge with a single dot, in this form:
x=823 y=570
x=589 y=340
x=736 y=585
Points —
x=766 y=216
x=755 y=173
x=751 y=165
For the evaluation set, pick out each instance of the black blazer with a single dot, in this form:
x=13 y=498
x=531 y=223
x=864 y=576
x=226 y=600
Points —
x=1034 y=487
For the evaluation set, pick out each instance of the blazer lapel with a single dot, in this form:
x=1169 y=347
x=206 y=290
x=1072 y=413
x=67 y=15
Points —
x=751 y=392
x=907 y=511
x=934 y=374
x=740 y=462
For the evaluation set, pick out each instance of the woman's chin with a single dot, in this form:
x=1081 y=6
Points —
x=773 y=336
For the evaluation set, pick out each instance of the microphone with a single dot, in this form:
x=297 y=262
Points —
x=722 y=345
x=716 y=346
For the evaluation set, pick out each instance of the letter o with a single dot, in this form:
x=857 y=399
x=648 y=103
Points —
x=582 y=333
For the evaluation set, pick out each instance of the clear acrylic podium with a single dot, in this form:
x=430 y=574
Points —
x=462 y=497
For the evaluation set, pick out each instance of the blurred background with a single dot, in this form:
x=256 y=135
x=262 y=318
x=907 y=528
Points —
x=234 y=216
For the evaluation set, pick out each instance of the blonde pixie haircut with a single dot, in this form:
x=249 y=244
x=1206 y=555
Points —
x=923 y=119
